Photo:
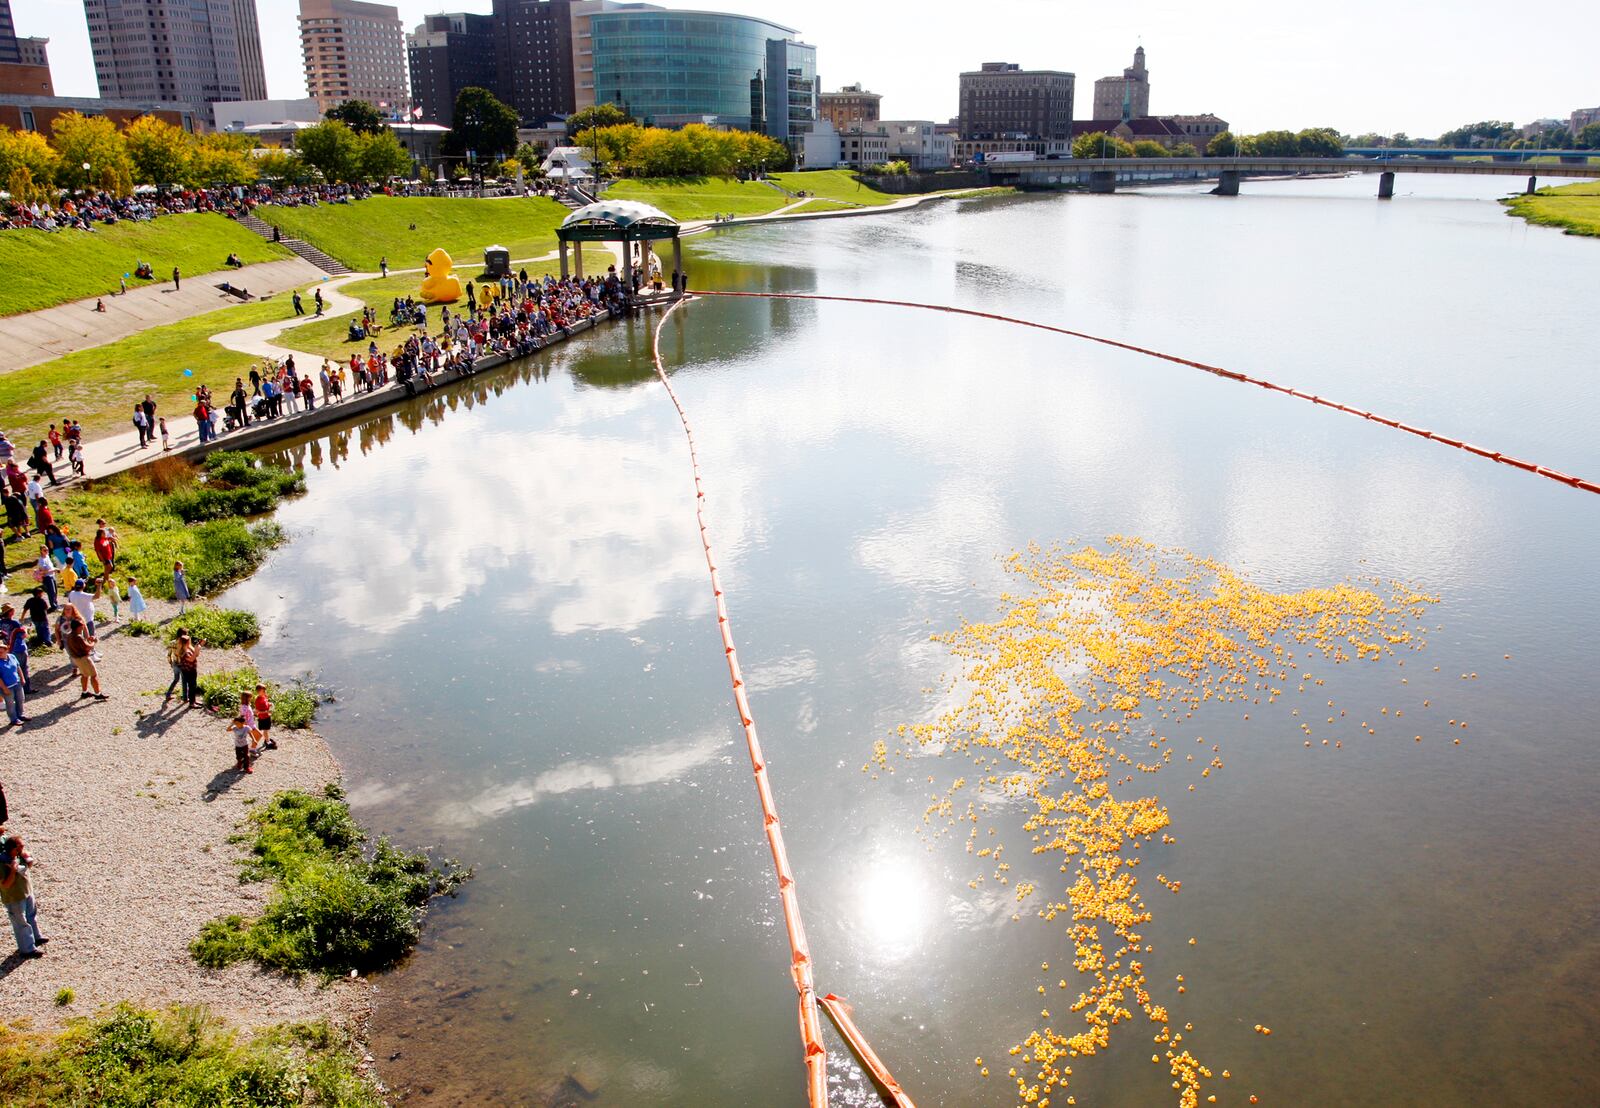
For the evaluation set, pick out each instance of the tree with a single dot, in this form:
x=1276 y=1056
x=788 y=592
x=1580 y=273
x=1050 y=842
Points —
x=1319 y=142
x=601 y=115
x=361 y=116
x=1490 y=132
x=1100 y=144
x=1589 y=137
x=1223 y=145
x=91 y=140
x=531 y=157
x=161 y=153
x=380 y=156
x=29 y=151
x=1275 y=144
x=283 y=166
x=222 y=159
x=481 y=125
x=1149 y=148
x=330 y=148
x=1185 y=150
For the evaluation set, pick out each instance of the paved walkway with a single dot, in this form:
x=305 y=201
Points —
x=34 y=337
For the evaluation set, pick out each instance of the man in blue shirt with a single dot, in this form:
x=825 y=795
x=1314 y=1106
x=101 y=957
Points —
x=79 y=566
x=11 y=686
x=14 y=637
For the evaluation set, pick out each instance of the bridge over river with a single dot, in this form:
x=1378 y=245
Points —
x=1104 y=174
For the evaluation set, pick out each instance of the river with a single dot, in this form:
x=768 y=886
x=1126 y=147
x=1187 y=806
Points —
x=504 y=587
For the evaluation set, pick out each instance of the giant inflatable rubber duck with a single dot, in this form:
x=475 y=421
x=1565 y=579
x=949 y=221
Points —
x=440 y=286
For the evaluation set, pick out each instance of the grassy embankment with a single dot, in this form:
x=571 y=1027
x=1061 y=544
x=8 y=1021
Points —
x=362 y=232
x=181 y=1056
x=706 y=197
x=341 y=903
x=99 y=386
x=45 y=268
x=1573 y=208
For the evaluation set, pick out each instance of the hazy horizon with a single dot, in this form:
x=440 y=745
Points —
x=1422 y=69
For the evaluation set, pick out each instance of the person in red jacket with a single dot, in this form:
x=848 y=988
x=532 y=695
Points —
x=263 y=709
x=105 y=545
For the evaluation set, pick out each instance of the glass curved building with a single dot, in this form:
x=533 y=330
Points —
x=671 y=68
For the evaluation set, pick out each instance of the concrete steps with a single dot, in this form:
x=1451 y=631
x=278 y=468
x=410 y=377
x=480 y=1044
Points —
x=298 y=247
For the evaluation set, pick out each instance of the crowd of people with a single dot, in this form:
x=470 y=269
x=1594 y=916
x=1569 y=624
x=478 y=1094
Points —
x=85 y=210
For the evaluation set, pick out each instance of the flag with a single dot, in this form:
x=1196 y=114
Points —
x=417 y=112
x=383 y=103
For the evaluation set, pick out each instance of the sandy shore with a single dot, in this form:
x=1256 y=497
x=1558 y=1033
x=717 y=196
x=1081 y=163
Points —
x=127 y=809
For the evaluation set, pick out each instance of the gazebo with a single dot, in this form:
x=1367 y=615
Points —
x=621 y=221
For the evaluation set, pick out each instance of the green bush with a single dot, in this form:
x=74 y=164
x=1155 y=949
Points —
x=216 y=627
x=338 y=906
x=138 y=628
x=293 y=706
x=183 y=1056
x=235 y=484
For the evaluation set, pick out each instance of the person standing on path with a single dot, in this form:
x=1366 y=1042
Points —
x=176 y=282
x=15 y=639
x=136 y=604
x=38 y=613
x=83 y=600
x=189 y=670
x=180 y=587
x=11 y=688
x=383 y=266
x=141 y=423
x=109 y=591
x=149 y=407
x=16 y=893
x=318 y=298
x=80 y=645
x=45 y=574
x=241 y=744
x=174 y=654
x=162 y=423
x=299 y=308
x=263 y=710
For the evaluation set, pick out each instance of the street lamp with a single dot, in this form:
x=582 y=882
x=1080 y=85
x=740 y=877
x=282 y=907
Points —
x=86 y=177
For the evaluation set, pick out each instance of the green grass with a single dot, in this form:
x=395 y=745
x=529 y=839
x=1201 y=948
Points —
x=1573 y=208
x=293 y=706
x=700 y=197
x=184 y=1056
x=152 y=535
x=833 y=184
x=360 y=233
x=100 y=386
x=341 y=903
x=52 y=267
x=216 y=627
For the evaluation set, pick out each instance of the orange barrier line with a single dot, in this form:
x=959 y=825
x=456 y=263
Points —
x=1538 y=470
x=840 y=1013
x=816 y=1055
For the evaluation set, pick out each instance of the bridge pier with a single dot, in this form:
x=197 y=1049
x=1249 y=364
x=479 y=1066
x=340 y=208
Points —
x=1227 y=183
x=1533 y=184
x=1386 y=185
x=1103 y=180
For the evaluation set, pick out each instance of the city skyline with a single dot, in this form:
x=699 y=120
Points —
x=1241 y=62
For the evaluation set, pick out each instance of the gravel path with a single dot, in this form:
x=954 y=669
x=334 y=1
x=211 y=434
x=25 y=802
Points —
x=127 y=810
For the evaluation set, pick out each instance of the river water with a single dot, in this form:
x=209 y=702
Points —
x=505 y=588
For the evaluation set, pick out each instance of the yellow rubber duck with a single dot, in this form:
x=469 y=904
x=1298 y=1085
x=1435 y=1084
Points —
x=440 y=286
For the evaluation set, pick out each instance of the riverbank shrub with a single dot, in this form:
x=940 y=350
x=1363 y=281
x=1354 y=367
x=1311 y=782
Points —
x=293 y=706
x=341 y=903
x=181 y=1056
x=234 y=484
x=146 y=509
x=216 y=627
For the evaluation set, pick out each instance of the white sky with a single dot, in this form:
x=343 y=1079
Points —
x=1419 y=66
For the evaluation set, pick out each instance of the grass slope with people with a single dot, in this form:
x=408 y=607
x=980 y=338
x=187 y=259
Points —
x=405 y=228
x=838 y=185
x=689 y=198
x=46 y=268
x=1573 y=208
x=99 y=386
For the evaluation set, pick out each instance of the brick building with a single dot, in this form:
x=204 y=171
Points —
x=354 y=51
x=851 y=105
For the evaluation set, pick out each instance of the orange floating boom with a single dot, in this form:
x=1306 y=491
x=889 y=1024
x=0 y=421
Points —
x=840 y=1013
x=1537 y=470
x=816 y=1055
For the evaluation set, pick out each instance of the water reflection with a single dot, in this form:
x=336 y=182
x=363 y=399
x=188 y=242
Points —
x=651 y=765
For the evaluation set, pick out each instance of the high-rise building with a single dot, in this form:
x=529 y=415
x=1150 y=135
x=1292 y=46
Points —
x=669 y=68
x=447 y=53
x=1127 y=96
x=191 y=51
x=1004 y=102
x=852 y=104
x=354 y=51
x=534 y=52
